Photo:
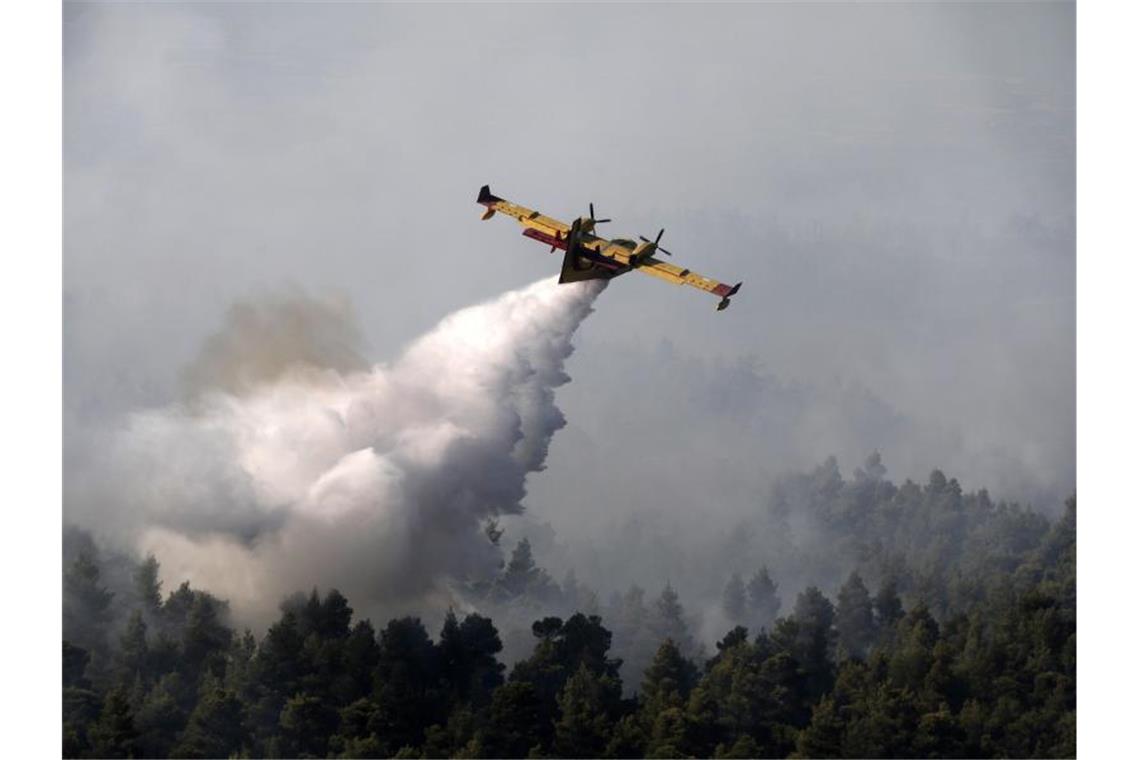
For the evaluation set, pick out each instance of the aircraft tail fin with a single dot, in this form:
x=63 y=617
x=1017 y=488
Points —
x=486 y=197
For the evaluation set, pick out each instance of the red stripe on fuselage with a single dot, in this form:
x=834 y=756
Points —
x=721 y=290
x=586 y=254
x=542 y=237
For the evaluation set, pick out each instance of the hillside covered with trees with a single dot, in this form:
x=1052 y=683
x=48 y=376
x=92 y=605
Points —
x=952 y=633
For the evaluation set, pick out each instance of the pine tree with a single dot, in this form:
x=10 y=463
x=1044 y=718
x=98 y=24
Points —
x=278 y=660
x=587 y=704
x=668 y=735
x=361 y=655
x=888 y=606
x=75 y=661
x=854 y=617
x=147 y=586
x=205 y=639
x=512 y=721
x=408 y=684
x=523 y=578
x=664 y=693
x=744 y=747
x=823 y=737
x=114 y=734
x=914 y=653
x=577 y=597
x=133 y=650
x=734 y=601
x=633 y=640
x=307 y=722
x=882 y=724
x=216 y=727
x=667 y=681
x=763 y=599
x=81 y=705
x=628 y=738
x=467 y=653
x=668 y=622
x=160 y=719
x=703 y=721
x=813 y=640
x=86 y=605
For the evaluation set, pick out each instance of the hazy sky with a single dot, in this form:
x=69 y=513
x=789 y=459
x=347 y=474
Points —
x=893 y=183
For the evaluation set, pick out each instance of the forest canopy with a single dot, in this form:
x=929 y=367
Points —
x=951 y=633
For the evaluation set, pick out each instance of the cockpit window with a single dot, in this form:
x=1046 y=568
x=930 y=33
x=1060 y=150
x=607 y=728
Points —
x=628 y=244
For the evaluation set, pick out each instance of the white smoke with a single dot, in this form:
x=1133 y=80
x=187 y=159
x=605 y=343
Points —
x=376 y=482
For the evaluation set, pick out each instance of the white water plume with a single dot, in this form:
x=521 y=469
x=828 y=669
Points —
x=376 y=482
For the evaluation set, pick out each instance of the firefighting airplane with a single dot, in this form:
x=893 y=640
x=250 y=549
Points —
x=589 y=257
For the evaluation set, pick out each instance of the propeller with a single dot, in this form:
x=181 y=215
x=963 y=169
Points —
x=592 y=219
x=654 y=243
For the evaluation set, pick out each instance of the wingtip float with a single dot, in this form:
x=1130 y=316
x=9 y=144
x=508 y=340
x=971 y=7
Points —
x=589 y=256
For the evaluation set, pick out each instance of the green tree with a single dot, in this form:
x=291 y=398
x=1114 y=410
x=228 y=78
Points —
x=513 y=721
x=664 y=693
x=160 y=719
x=669 y=734
x=888 y=606
x=307 y=722
x=744 y=747
x=763 y=599
x=588 y=705
x=734 y=600
x=633 y=640
x=747 y=691
x=882 y=724
x=134 y=653
x=361 y=656
x=914 y=654
x=668 y=680
x=823 y=737
x=408 y=680
x=216 y=727
x=86 y=605
x=854 y=617
x=809 y=636
x=523 y=578
x=75 y=661
x=114 y=734
x=205 y=638
x=81 y=705
x=667 y=621
x=562 y=649
x=578 y=597
x=467 y=653
x=147 y=586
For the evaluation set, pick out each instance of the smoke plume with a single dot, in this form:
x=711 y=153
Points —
x=266 y=338
x=376 y=481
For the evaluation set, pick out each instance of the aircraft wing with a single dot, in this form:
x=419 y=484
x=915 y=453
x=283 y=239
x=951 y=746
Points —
x=681 y=276
x=544 y=228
